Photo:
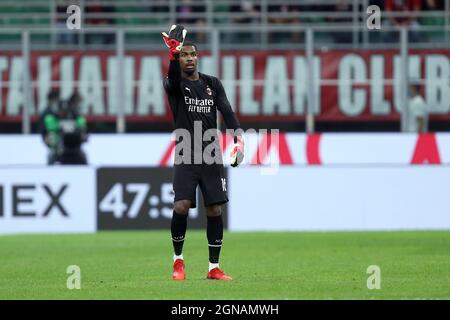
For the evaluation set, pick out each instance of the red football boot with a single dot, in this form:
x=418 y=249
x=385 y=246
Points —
x=178 y=270
x=217 y=274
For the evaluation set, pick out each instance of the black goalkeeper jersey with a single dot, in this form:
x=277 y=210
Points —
x=195 y=104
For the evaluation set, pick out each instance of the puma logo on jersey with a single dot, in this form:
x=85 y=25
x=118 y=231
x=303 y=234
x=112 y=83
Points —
x=188 y=89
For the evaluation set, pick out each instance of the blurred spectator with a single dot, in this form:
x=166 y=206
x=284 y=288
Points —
x=409 y=10
x=434 y=5
x=64 y=130
x=379 y=3
x=48 y=127
x=280 y=12
x=97 y=15
x=73 y=129
x=417 y=111
x=189 y=12
x=249 y=13
x=246 y=12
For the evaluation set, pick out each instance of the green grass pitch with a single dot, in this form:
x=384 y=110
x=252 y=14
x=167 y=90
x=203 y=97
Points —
x=288 y=265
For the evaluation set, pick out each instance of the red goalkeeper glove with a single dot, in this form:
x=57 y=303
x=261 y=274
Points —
x=237 y=153
x=174 y=41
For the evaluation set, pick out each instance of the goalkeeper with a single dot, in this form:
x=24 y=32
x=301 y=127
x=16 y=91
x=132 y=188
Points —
x=194 y=99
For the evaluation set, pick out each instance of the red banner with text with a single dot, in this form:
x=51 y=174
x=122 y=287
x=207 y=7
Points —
x=349 y=85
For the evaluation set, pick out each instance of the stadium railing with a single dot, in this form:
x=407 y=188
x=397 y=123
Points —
x=235 y=15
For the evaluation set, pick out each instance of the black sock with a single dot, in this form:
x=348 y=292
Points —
x=214 y=232
x=178 y=229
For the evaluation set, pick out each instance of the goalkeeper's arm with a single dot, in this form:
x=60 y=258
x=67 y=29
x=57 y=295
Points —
x=231 y=121
x=174 y=41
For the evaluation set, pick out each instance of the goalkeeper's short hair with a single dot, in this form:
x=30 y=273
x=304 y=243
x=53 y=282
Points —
x=186 y=44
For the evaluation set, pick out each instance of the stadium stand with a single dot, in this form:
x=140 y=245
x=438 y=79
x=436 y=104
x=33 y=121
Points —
x=260 y=14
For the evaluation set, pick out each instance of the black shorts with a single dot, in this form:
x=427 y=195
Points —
x=210 y=177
